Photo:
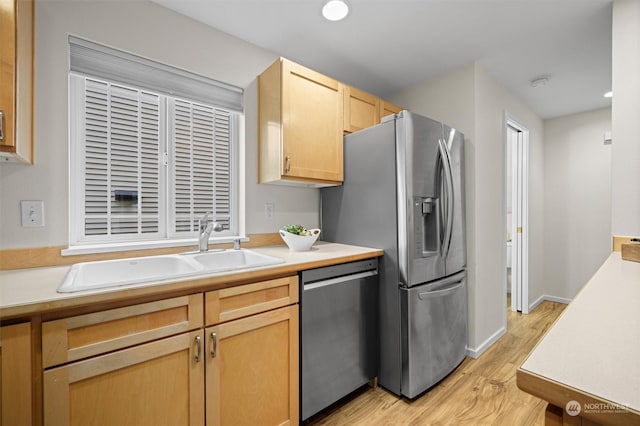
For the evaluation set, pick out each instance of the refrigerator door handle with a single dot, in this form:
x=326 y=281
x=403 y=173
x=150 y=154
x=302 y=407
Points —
x=448 y=180
x=441 y=292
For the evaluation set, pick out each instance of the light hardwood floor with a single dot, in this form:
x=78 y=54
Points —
x=480 y=391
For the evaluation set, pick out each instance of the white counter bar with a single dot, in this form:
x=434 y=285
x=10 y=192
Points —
x=591 y=355
x=25 y=292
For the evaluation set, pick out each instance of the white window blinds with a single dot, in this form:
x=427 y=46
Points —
x=201 y=150
x=121 y=161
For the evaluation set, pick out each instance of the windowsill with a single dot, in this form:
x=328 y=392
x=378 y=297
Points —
x=142 y=245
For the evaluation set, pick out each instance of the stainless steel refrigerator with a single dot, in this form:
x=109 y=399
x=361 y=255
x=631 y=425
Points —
x=403 y=192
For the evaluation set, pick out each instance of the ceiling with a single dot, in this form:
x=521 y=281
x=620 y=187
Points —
x=384 y=46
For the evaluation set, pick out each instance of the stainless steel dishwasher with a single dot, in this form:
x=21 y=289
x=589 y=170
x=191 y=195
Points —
x=338 y=332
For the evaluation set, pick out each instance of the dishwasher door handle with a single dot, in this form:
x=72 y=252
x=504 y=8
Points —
x=339 y=280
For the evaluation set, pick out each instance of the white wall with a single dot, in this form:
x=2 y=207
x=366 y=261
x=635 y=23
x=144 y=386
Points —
x=626 y=118
x=577 y=172
x=152 y=31
x=470 y=100
x=493 y=101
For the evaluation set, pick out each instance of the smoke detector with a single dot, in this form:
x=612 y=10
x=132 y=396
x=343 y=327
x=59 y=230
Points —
x=540 y=81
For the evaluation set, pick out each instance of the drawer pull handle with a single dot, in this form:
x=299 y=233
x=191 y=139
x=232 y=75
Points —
x=198 y=348
x=214 y=346
x=1 y=123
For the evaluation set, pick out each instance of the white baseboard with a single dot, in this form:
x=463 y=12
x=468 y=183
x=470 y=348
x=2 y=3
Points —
x=475 y=353
x=557 y=299
x=550 y=299
x=538 y=301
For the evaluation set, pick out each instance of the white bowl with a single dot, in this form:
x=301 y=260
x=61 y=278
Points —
x=300 y=242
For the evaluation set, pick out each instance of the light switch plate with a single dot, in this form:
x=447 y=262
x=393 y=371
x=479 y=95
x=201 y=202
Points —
x=269 y=211
x=32 y=213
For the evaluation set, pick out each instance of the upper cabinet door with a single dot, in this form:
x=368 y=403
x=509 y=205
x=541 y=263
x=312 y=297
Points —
x=16 y=74
x=361 y=110
x=387 y=108
x=312 y=114
x=300 y=126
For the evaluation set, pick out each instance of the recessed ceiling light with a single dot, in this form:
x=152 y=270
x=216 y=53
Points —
x=335 y=10
x=609 y=94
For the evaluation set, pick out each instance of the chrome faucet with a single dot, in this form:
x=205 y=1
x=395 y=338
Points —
x=236 y=244
x=205 y=231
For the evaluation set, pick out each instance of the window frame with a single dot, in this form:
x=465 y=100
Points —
x=80 y=243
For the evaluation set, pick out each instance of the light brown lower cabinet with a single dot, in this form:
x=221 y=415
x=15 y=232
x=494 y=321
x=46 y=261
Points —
x=160 y=363
x=16 y=391
x=252 y=370
x=156 y=383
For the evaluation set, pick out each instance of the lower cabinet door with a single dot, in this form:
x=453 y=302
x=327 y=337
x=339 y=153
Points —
x=157 y=383
x=16 y=393
x=252 y=370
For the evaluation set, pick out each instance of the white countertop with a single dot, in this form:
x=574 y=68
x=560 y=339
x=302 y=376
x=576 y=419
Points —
x=595 y=344
x=25 y=292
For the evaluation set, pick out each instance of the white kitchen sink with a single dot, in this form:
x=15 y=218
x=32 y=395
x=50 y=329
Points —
x=233 y=259
x=122 y=272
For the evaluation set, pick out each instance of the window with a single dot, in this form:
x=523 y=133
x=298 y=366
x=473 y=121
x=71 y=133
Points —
x=147 y=161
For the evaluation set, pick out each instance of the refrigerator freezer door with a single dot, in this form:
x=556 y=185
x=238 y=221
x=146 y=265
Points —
x=434 y=332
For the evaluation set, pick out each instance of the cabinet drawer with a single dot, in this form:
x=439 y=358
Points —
x=87 y=335
x=156 y=383
x=237 y=302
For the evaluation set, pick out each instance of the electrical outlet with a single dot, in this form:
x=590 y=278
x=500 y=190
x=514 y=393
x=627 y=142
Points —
x=32 y=213
x=269 y=211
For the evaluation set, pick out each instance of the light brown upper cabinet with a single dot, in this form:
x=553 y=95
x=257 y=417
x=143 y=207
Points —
x=387 y=108
x=300 y=126
x=361 y=109
x=16 y=77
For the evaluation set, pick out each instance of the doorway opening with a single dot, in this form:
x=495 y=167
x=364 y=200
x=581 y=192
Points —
x=516 y=206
